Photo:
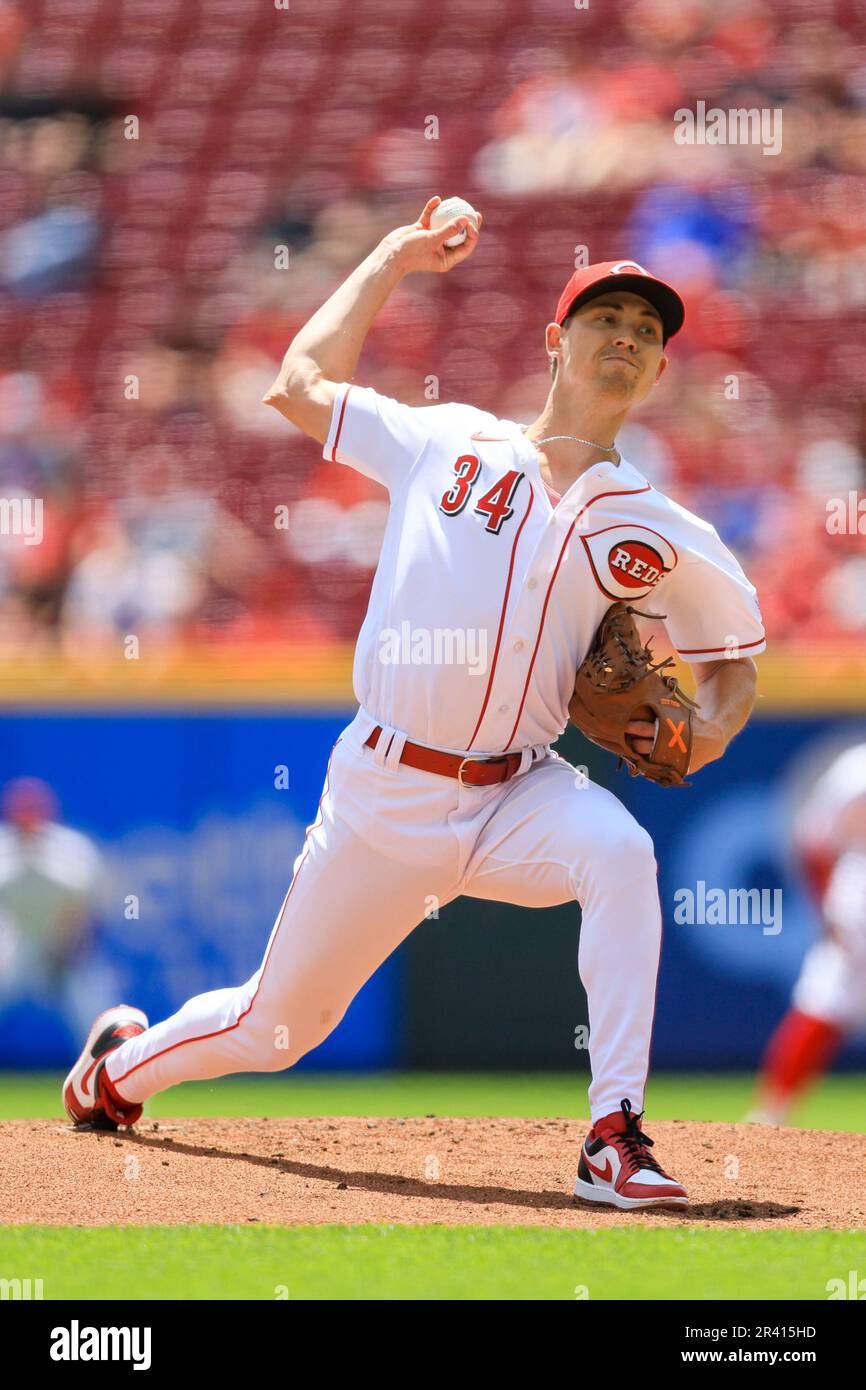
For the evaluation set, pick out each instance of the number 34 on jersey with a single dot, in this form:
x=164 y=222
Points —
x=495 y=504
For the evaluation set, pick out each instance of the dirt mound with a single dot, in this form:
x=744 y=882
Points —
x=516 y=1172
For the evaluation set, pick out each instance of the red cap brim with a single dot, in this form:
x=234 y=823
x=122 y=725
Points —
x=656 y=292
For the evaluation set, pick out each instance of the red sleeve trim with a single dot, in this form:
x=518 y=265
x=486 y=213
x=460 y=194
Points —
x=699 y=651
x=334 y=458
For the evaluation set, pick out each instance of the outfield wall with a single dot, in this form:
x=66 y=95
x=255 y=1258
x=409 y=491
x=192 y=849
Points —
x=199 y=833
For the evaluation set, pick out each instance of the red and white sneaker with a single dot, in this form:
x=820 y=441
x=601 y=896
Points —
x=617 y=1169
x=88 y=1097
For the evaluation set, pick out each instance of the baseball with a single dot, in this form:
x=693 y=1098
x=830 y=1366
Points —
x=453 y=207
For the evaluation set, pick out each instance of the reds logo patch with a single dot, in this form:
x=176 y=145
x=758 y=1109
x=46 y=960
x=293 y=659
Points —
x=628 y=561
x=628 y=267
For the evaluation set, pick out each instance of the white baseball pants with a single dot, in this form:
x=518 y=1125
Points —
x=388 y=846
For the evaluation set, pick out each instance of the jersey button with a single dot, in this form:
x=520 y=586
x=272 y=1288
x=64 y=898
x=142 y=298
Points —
x=503 y=709
x=518 y=646
x=533 y=584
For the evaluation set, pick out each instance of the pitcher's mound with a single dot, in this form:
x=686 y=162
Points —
x=516 y=1172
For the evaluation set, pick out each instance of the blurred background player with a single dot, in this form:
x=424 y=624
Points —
x=50 y=878
x=828 y=1002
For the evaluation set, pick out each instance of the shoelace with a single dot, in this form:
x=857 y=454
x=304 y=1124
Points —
x=635 y=1142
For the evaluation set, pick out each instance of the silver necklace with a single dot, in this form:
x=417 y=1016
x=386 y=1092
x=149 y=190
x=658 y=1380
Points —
x=577 y=439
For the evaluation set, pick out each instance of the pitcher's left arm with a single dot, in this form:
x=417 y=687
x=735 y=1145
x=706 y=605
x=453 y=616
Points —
x=726 y=692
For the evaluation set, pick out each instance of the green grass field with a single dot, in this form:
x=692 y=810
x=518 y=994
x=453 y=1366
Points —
x=838 y=1103
x=428 y=1262
x=436 y=1262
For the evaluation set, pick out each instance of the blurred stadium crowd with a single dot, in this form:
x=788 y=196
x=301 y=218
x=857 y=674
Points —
x=183 y=182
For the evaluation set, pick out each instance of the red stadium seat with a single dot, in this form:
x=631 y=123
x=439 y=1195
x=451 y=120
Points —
x=129 y=71
x=234 y=198
x=148 y=302
x=205 y=72
x=66 y=313
x=160 y=195
x=130 y=247
x=241 y=19
x=46 y=69
x=290 y=68
x=260 y=135
x=145 y=18
x=208 y=252
x=387 y=70
x=70 y=17
x=367 y=12
x=14 y=196
x=451 y=72
x=177 y=134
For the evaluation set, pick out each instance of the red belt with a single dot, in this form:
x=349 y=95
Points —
x=469 y=771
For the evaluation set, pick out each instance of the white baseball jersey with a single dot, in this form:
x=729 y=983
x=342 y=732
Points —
x=45 y=875
x=486 y=597
x=45 y=878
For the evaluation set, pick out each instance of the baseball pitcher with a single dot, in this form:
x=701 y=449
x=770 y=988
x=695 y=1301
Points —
x=537 y=543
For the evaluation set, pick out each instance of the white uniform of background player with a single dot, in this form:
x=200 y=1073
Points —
x=50 y=882
x=484 y=603
x=831 y=827
x=828 y=1002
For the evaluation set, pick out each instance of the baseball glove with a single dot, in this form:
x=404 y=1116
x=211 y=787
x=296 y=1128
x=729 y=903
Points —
x=616 y=683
